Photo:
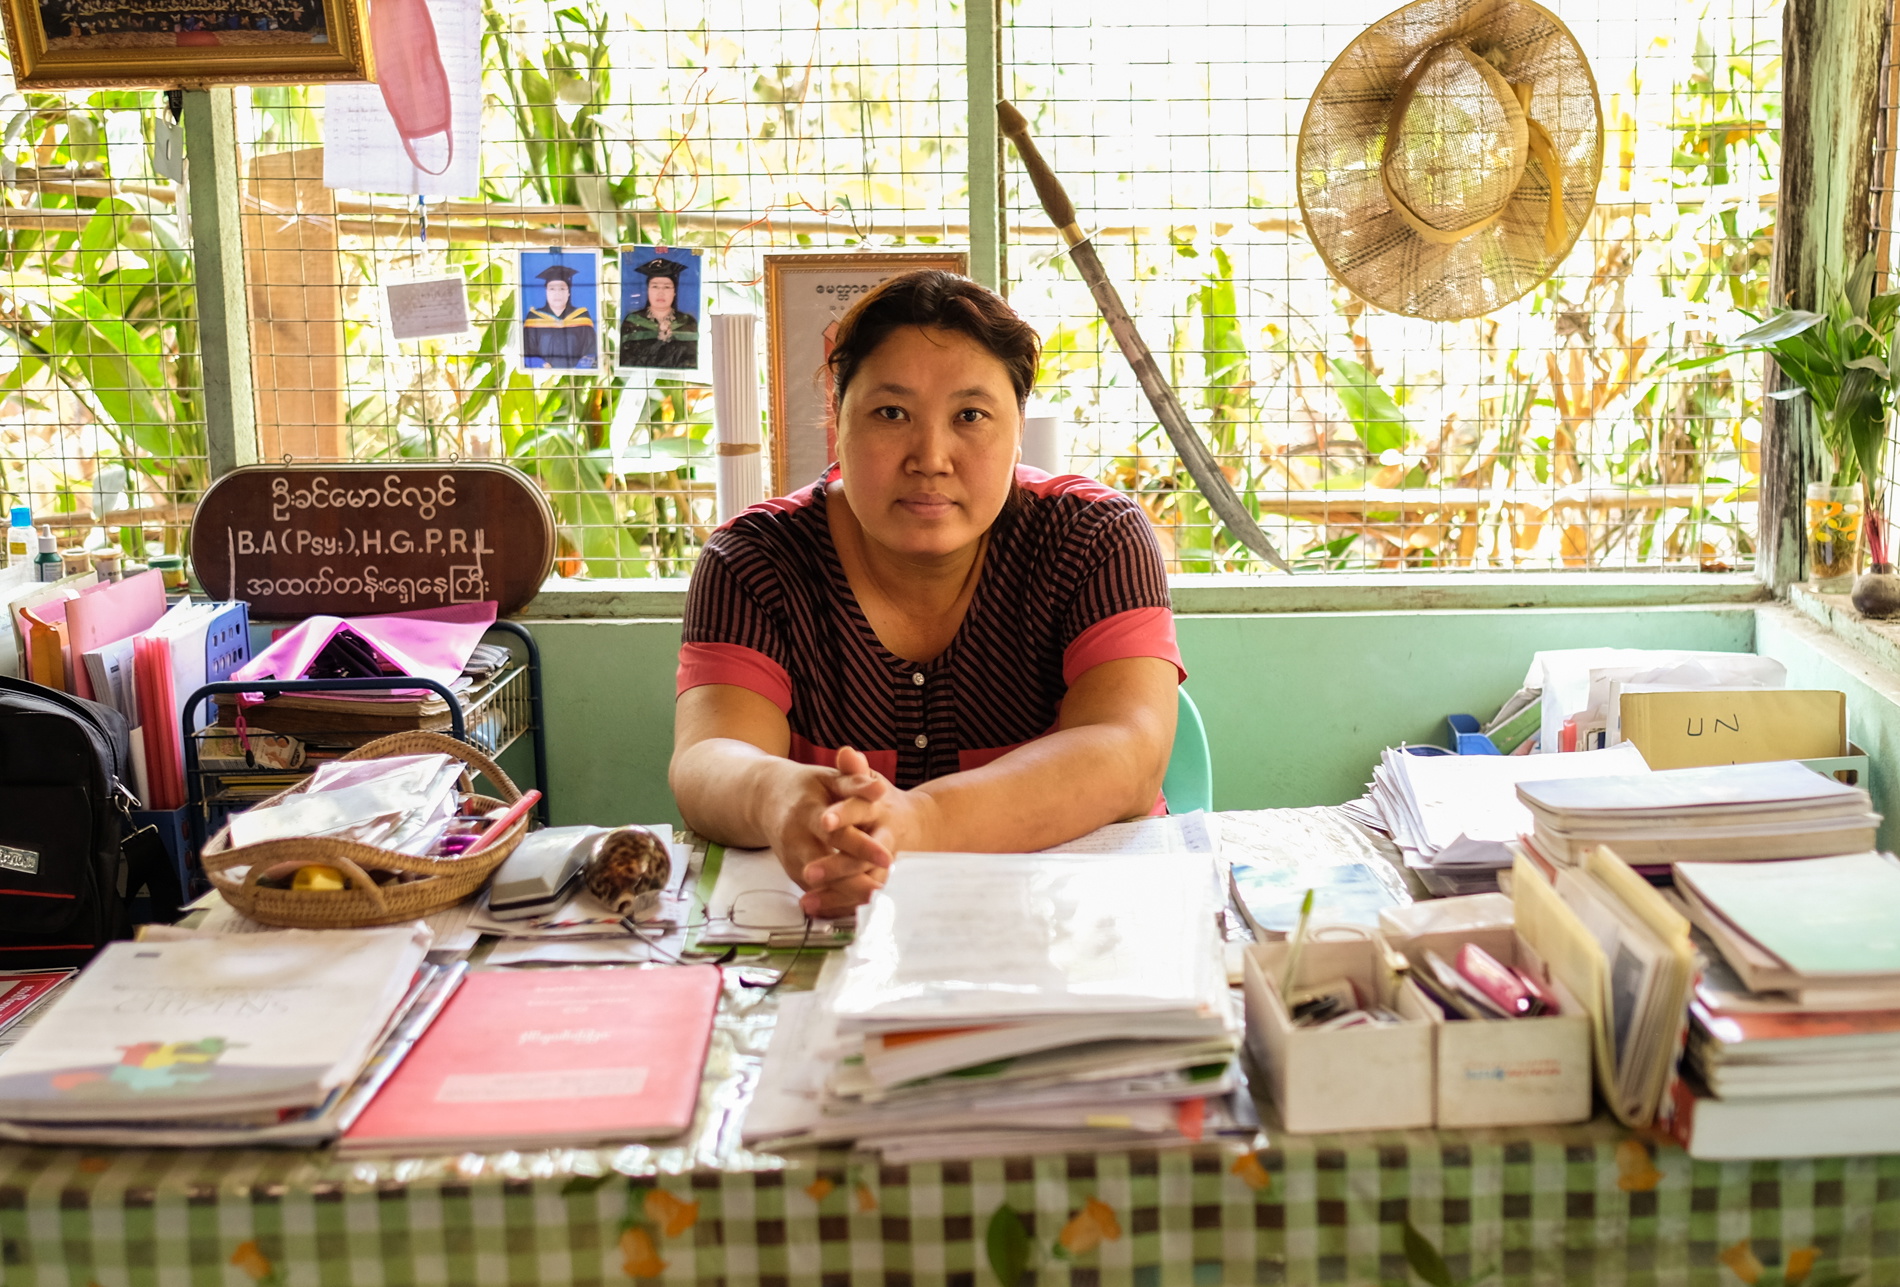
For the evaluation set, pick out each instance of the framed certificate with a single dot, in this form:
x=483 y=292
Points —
x=805 y=295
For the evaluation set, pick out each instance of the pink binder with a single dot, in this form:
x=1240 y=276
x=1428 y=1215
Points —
x=110 y=613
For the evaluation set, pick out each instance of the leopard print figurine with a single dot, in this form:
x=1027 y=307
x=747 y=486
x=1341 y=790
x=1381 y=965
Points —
x=627 y=870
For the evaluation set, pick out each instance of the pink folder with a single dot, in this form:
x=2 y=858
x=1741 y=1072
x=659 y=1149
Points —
x=429 y=643
x=113 y=611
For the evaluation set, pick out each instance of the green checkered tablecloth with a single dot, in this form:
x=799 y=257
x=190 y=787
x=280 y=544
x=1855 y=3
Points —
x=1583 y=1204
x=1589 y=1204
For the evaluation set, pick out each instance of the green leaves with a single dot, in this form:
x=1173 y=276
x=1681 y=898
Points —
x=1843 y=360
x=1424 y=1259
x=1007 y=1243
x=1375 y=415
x=1782 y=326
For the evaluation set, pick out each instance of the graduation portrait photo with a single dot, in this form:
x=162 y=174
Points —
x=659 y=309
x=558 y=301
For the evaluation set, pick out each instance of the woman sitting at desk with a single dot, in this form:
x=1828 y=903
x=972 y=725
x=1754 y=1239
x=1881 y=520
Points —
x=931 y=647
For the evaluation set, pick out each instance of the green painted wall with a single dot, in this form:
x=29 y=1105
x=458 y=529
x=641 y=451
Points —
x=1297 y=705
x=1816 y=659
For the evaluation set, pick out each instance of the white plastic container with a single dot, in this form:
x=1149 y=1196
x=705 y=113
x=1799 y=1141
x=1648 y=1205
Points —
x=1355 y=1079
x=22 y=542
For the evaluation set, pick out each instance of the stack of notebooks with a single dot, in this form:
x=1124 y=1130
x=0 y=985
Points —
x=1794 y=1046
x=1454 y=817
x=1780 y=809
x=1004 y=1004
x=242 y=1039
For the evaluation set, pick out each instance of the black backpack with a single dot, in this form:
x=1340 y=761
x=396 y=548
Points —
x=66 y=867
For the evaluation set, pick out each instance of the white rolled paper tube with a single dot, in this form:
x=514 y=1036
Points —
x=1043 y=446
x=735 y=370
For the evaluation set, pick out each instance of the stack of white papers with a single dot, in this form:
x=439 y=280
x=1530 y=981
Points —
x=993 y=1002
x=1780 y=809
x=201 y=1038
x=1464 y=811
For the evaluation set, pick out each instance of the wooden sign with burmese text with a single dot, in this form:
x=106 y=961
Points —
x=296 y=540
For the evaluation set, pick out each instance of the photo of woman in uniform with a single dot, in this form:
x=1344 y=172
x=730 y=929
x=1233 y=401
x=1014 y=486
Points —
x=561 y=333
x=659 y=302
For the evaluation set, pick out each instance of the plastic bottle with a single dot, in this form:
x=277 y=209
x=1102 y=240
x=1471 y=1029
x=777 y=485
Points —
x=49 y=564
x=22 y=542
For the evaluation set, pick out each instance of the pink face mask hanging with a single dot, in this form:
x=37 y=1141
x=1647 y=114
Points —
x=410 y=74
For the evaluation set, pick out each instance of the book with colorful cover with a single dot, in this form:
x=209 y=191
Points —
x=550 y=1058
x=210 y=1028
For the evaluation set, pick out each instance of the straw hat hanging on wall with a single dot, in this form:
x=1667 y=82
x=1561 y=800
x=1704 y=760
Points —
x=1449 y=159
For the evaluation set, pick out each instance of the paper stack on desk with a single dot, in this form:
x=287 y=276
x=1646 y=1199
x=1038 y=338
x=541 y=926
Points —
x=237 y=1039
x=1794 y=1043
x=1003 y=1003
x=1454 y=817
x=1727 y=812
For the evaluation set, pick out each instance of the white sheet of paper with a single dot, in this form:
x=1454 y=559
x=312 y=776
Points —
x=427 y=308
x=1176 y=833
x=625 y=950
x=451 y=926
x=749 y=871
x=168 y=156
x=363 y=151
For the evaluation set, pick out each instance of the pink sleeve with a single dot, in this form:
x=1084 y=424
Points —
x=724 y=663
x=1138 y=632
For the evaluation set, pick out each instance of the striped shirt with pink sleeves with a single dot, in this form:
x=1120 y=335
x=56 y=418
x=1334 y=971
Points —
x=1072 y=578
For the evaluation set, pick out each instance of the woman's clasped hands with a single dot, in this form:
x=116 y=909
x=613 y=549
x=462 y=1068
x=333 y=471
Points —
x=842 y=832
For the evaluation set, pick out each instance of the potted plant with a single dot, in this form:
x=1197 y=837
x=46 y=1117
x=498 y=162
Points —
x=1841 y=361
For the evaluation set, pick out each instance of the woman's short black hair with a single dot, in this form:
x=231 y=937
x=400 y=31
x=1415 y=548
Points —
x=933 y=298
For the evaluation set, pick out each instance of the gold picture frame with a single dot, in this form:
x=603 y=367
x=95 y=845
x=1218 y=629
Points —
x=172 y=44
x=804 y=294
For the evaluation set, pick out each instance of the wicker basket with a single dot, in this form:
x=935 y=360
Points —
x=448 y=880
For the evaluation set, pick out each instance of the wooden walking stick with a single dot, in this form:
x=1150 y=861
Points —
x=1187 y=441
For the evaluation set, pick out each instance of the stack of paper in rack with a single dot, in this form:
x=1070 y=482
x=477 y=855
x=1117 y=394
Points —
x=1795 y=1038
x=1454 y=817
x=243 y=1039
x=1013 y=1003
x=1579 y=687
x=1779 y=809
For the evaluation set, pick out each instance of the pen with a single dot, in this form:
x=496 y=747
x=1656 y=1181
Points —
x=507 y=820
x=1293 y=952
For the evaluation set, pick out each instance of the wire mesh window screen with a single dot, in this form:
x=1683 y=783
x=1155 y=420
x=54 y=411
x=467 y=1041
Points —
x=734 y=128
x=1570 y=429
x=101 y=397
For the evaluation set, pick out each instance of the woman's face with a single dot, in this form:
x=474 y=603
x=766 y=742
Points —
x=661 y=292
x=559 y=292
x=928 y=436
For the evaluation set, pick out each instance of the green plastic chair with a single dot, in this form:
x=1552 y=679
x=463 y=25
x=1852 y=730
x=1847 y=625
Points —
x=1189 y=784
